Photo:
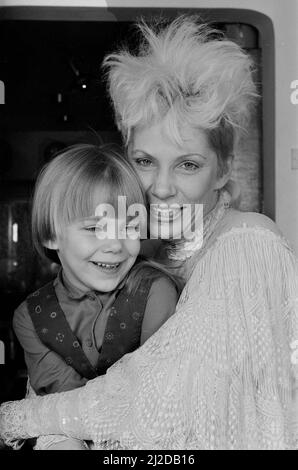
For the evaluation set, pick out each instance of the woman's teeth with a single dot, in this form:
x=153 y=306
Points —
x=167 y=213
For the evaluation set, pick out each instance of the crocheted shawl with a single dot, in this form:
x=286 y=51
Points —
x=220 y=374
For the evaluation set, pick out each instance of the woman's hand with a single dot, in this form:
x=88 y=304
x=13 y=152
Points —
x=44 y=443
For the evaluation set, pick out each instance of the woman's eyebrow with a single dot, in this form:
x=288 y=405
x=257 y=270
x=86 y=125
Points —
x=193 y=154
x=143 y=153
x=180 y=157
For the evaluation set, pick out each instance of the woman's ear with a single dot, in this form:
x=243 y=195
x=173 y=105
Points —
x=51 y=245
x=226 y=175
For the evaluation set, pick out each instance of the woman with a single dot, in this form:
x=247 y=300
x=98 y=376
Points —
x=220 y=374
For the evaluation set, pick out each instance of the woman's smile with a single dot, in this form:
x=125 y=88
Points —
x=164 y=212
x=175 y=177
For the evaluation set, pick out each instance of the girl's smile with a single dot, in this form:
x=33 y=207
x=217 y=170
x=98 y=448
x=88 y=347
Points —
x=108 y=268
x=93 y=263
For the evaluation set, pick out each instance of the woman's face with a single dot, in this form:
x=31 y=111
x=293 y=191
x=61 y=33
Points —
x=173 y=174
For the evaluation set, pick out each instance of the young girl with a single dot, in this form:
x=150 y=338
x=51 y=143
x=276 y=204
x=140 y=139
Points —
x=106 y=301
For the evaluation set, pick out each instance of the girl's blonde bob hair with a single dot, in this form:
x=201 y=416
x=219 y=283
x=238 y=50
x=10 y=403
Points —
x=188 y=75
x=74 y=183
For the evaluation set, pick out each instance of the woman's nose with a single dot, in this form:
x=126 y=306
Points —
x=112 y=246
x=163 y=187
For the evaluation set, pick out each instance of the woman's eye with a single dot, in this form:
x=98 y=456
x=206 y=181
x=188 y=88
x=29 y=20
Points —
x=190 y=166
x=91 y=229
x=133 y=230
x=144 y=162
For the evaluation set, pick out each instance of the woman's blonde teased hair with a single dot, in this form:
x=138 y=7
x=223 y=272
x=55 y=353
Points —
x=73 y=183
x=187 y=74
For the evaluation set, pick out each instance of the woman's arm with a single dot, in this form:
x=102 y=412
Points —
x=52 y=414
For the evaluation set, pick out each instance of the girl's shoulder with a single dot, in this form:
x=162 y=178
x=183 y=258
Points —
x=163 y=286
x=146 y=271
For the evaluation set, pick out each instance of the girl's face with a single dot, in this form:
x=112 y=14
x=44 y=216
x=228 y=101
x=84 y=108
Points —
x=91 y=262
x=171 y=174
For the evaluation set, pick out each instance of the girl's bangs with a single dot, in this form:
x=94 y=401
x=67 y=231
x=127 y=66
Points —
x=82 y=200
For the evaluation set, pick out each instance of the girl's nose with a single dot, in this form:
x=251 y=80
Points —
x=163 y=187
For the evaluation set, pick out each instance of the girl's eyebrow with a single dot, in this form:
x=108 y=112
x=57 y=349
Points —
x=180 y=157
x=131 y=218
x=91 y=219
x=94 y=219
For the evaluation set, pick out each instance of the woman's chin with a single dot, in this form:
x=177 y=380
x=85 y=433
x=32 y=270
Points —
x=166 y=231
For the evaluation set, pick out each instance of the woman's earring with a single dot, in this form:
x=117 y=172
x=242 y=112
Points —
x=226 y=199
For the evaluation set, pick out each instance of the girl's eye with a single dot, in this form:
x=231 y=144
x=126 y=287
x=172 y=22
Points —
x=190 y=166
x=100 y=228
x=135 y=228
x=97 y=228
